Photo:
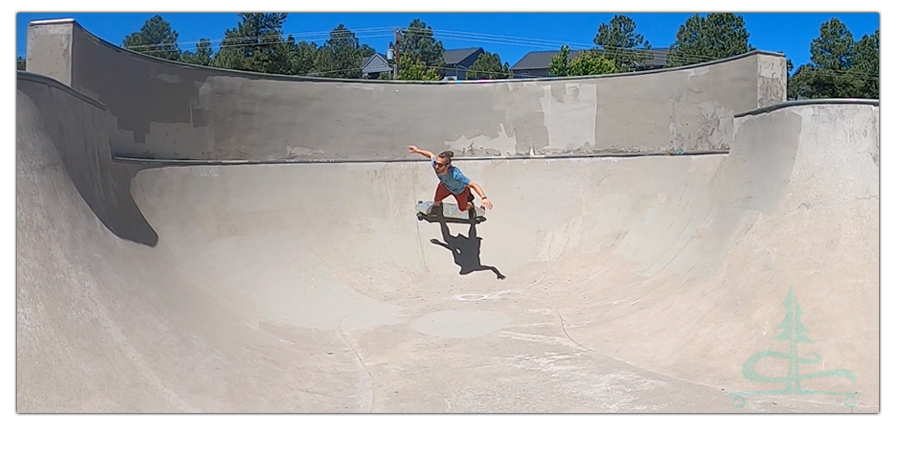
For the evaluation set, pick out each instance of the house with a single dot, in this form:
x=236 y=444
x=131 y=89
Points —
x=458 y=61
x=375 y=65
x=660 y=54
x=537 y=64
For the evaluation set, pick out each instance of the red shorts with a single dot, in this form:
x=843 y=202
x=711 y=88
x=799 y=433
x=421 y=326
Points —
x=462 y=198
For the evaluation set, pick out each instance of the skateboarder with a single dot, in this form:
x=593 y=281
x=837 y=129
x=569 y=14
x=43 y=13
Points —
x=452 y=182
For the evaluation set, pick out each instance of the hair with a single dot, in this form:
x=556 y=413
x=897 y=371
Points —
x=448 y=155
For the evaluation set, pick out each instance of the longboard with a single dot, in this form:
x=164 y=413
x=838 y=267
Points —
x=451 y=213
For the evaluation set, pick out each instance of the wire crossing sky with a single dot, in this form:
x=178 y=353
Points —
x=512 y=35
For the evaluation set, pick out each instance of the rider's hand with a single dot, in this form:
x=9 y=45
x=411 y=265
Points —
x=487 y=203
x=413 y=149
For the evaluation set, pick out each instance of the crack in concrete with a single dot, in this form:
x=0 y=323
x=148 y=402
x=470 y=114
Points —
x=810 y=205
x=319 y=393
x=562 y=324
x=361 y=362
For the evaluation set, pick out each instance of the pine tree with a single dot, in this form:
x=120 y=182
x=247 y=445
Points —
x=156 y=38
x=621 y=44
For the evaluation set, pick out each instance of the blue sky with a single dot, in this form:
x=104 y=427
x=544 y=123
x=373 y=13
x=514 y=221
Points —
x=512 y=35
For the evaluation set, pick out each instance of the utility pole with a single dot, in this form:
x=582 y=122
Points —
x=396 y=53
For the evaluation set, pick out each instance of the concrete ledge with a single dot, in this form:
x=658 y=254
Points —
x=50 y=82
x=239 y=162
x=827 y=101
x=258 y=75
x=198 y=113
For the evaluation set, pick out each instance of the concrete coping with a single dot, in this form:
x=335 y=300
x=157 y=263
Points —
x=259 y=75
x=50 y=82
x=235 y=162
x=824 y=101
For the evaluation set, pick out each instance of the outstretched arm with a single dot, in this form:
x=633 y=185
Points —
x=425 y=153
x=484 y=200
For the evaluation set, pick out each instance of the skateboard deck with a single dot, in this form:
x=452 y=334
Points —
x=451 y=213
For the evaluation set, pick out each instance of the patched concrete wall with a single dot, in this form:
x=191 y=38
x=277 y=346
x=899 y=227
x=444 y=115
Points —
x=48 y=50
x=772 y=78
x=192 y=112
x=51 y=117
x=313 y=288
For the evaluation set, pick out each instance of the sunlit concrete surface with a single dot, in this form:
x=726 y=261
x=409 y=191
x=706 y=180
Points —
x=740 y=280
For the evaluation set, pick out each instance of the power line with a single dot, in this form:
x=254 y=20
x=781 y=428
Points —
x=543 y=43
x=680 y=58
x=375 y=32
x=306 y=34
x=242 y=41
x=254 y=41
x=465 y=36
x=686 y=61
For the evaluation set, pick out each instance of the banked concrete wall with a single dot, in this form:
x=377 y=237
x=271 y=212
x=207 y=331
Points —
x=258 y=294
x=52 y=116
x=170 y=110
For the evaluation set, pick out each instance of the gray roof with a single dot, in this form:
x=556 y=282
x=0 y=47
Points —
x=376 y=63
x=541 y=60
x=659 y=57
x=457 y=55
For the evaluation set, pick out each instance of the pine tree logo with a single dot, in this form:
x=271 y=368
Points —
x=794 y=333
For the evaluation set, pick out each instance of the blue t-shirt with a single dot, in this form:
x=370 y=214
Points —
x=454 y=180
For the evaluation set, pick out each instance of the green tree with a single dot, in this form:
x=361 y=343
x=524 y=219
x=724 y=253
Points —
x=590 y=62
x=366 y=51
x=256 y=44
x=559 y=64
x=833 y=48
x=487 y=66
x=341 y=56
x=302 y=56
x=156 y=38
x=587 y=62
x=417 y=41
x=716 y=36
x=201 y=56
x=621 y=44
x=20 y=63
x=416 y=70
x=839 y=67
x=865 y=64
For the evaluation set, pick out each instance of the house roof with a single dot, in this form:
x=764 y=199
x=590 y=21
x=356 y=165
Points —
x=457 y=55
x=541 y=60
x=659 y=57
x=376 y=63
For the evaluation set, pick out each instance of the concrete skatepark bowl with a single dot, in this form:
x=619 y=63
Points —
x=192 y=239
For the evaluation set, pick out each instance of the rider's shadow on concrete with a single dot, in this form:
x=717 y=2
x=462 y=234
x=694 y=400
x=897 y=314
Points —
x=466 y=250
